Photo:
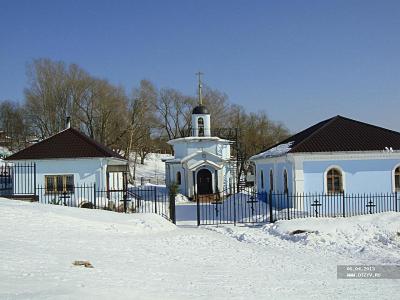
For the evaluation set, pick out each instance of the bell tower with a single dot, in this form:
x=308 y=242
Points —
x=201 y=123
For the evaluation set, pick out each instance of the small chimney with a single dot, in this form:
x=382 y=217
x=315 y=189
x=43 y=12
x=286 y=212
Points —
x=68 y=122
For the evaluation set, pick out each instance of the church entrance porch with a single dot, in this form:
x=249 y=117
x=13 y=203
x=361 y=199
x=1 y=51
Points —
x=204 y=182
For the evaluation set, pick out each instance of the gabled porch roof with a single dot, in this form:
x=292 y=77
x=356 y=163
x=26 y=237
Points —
x=203 y=155
x=204 y=162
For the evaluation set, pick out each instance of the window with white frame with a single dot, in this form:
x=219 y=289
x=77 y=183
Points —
x=178 y=178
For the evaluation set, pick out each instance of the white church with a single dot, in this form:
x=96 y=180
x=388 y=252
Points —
x=202 y=163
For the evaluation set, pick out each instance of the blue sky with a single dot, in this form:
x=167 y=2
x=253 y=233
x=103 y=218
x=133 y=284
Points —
x=300 y=61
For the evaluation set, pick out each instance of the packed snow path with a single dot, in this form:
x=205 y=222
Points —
x=146 y=257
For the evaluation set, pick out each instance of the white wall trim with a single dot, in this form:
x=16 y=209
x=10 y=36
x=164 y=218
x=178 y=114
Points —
x=345 y=155
x=348 y=155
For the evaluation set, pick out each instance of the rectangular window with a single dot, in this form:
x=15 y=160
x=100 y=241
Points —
x=49 y=183
x=69 y=183
x=59 y=183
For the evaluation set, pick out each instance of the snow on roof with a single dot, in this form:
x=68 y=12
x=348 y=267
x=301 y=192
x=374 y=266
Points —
x=198 y=138
x=164 y=159
x=279 y=150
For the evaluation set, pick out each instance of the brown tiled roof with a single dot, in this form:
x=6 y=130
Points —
x=342 y=134
x=69 y=143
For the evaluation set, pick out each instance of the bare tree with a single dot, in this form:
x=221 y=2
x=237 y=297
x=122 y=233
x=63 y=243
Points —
x=14 y=126
x=142 y=121
x=174 y=111
x=95 y=106
x=46 y=97
x=218 y=104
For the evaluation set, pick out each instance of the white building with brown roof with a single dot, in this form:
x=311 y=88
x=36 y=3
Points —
x=334 y=156
x=69 y=159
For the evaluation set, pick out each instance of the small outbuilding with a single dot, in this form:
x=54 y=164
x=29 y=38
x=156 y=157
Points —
x=333 y=156
x=70 y=159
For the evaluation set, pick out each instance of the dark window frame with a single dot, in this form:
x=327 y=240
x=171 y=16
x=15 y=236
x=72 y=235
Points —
x=262 y=179
x=61 y=183
x=200 y=126
x=285 y=182
x=397 y=179
x=178 y=178
x=271 y=180
x=334 y=181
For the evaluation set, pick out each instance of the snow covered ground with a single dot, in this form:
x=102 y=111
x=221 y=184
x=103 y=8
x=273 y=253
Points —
x=153 y=168
x=370 y=238
x=138 y=256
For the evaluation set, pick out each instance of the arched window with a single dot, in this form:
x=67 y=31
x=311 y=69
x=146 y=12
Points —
x=397 y=179
x=271 y=180
x=334 y=181
x=262 y=179
x=285 y=182
x=200 y=125
x=178 y=178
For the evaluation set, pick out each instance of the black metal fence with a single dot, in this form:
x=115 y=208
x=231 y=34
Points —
x=17 y=180
x=141 y=199
x=226 y=208
x=249 y=206
x=287 y=206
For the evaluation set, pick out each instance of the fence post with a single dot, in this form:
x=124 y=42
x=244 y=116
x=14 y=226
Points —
x=271 y=217
x=343 y=204
x=34 y=182
x=172 y=212
x=155 y=199
x=395 y=201
x=13 y=168
x=287 y=203
x=124 y=198
x=234 y=209
x=198 y=208
x=94 y=195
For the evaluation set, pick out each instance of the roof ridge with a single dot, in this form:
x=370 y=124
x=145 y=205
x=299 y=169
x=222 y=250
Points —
x=34 y=144
x=370 y=125
x=87 y=142
x=103 y=148
x=328 y=121
x=289 y=139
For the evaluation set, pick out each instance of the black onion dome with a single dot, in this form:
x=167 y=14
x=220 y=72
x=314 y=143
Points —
x=200 y=110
